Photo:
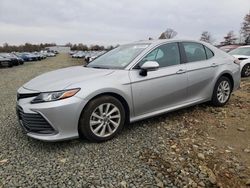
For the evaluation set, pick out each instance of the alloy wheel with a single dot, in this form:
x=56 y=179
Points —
x=247 y=71
x=223 y=91
x=105 y=120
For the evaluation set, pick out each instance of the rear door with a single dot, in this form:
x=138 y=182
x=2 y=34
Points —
x=201 y=69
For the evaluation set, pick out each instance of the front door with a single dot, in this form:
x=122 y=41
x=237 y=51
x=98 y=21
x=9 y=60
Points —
x=163 y=88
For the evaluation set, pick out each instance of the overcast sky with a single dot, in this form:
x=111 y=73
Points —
x=115 y=21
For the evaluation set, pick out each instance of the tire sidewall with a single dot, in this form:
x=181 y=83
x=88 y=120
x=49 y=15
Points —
x=243 y=70
x=84 y=126
x=10 y=64
x=215 y=100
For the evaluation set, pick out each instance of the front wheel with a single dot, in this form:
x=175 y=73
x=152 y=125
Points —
x=246 y=70
x=102 y=119
x=222 y=91
x=10 y=64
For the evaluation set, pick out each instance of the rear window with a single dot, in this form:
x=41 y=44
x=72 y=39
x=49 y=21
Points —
x=194 y=51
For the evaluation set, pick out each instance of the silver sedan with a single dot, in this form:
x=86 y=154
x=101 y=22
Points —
x=127 y=84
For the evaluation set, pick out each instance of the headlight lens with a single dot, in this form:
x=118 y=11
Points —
x=54 y=96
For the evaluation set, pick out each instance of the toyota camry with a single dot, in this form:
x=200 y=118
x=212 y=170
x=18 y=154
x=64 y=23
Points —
x=129 y=83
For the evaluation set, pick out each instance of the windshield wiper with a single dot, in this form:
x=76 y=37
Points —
x=97 y=67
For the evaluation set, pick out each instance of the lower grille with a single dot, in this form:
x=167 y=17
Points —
x=34 y=123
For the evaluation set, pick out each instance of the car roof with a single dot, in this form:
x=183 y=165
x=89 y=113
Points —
x=162 y=41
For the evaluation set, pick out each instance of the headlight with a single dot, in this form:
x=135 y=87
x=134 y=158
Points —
x=54 y=96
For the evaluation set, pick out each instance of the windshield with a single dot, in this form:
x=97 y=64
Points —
x=241 y=51
x=119 y=57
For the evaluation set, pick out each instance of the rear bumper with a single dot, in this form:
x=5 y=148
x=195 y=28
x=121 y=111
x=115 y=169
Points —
x=237 y=79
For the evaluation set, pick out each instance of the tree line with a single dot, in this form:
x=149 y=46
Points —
x=27 y=47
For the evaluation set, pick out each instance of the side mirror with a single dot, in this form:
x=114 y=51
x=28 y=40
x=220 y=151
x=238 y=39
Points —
x=148 y=66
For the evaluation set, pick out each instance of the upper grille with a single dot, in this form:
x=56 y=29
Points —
x=34 y=122
x=26 y=95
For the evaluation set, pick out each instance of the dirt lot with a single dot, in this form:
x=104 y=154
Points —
x=201 y=146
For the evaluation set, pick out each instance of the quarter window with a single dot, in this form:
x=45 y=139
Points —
x=165 y=55
x=194 y=51
x=209 y=53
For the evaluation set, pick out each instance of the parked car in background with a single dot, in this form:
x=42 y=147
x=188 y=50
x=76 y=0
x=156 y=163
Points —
x=91 y=55
x=27 y=56
x=38 y=56
x=79 y=54
x=5 y=62
x=229 y=48
x=127 y=84
x=50 y=54
x=47 y=53
x=23 y=56
x=55 y=52
x=13 y=59
x=72 y=52
x=243 y=54
x=20 y=60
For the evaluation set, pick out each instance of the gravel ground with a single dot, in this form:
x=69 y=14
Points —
x=174 y=150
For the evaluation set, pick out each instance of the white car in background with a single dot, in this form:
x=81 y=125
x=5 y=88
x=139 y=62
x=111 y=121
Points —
x=243 y=54
x=79 y=54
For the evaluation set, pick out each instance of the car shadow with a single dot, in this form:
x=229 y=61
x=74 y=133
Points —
x=175 y=114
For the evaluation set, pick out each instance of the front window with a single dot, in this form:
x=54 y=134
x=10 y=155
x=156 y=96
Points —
x=241 y=51
x=119 y=57
x=166 y=55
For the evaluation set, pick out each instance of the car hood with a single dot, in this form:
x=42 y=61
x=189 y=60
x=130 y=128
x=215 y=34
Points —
x=63 y=78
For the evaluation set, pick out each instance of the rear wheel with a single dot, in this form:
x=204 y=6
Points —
x=246 y=70
x=102 y=119
x=222 y=91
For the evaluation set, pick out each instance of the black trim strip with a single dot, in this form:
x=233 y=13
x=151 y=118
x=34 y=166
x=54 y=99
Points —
x=26 y=95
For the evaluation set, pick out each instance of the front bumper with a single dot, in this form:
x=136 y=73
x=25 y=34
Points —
x=62 y=116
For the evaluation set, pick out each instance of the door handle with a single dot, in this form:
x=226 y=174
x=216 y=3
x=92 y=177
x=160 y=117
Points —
x=181 y=71
x=214 y=65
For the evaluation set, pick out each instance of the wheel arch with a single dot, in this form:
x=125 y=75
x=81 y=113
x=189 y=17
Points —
x=115 y=95
x=227 y=75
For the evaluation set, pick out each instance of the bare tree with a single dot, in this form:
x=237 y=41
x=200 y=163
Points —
x=168 y=34
x=206 y=37
x=245 y=29
x=230 y=38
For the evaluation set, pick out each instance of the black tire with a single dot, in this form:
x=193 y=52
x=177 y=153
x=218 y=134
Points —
x=10 y=64
x=246 y=70
x=215 y=99
x=84 y=122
